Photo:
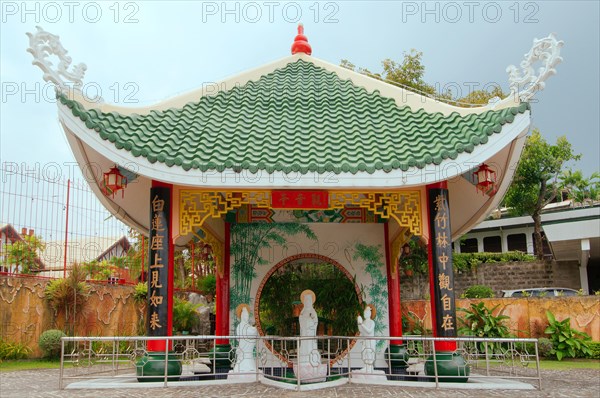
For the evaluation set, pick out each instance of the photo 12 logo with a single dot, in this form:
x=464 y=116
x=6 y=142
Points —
x=117 y=92
x=270 y=11
x=70 y=11
x=469 y=11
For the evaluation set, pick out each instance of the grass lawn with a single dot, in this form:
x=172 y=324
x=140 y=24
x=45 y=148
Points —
x=572 y=363
x=28 y=364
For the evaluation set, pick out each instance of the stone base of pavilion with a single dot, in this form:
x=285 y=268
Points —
x=373 y=376
x=310 y=373
x=130 y=381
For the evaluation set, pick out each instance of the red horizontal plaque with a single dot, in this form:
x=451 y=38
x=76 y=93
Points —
x=287 y=199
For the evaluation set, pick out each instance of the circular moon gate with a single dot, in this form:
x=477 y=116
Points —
x=299 y=263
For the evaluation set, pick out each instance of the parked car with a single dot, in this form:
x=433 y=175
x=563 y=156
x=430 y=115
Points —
x=540 y=292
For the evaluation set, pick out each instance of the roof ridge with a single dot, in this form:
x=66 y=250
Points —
x=300 y=117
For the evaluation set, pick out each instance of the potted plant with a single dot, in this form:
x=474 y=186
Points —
x=185 y=317
x=413 y=258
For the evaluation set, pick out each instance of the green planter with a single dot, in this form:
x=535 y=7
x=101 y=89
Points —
x=153 y=364
x=448 y=364
x=398 y=356
x=221 y=356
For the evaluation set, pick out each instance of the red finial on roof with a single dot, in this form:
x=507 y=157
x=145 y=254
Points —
x=300 y=44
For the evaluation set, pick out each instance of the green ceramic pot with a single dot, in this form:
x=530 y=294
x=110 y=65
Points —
x=153 y=364
x=398 y=356
x=448 y=364
x=221 y=356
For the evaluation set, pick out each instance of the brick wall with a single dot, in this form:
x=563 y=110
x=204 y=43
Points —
x=501 y=276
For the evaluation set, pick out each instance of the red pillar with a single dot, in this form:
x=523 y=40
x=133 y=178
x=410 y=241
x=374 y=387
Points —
x=222 y=305
x=441 y=274
x=393 y=279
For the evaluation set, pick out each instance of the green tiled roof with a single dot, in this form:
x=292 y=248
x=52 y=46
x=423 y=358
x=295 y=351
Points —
x=300 y=118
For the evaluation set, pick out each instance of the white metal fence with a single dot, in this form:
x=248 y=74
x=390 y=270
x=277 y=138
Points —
x=115 y=359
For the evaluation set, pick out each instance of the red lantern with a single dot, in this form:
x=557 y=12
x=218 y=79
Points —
x=114 y=181
x=486 y=180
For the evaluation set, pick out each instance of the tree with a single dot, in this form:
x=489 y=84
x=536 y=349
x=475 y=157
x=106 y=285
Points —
x=410 y=74
x=482 y=97
x=535 y=183
x=23 y=254
x=136 y=252
x=579 y=189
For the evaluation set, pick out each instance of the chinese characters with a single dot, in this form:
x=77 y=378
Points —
x=290 y=199
x=159 y=253
x=442 y=258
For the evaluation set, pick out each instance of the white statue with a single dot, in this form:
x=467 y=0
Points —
x=367 y=348
x=244 y=356
x=309 y=368
x=308 y=351
x=366 y=328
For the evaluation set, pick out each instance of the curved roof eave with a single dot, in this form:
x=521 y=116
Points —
x=229 y=178
x=79 y=151
x=507 y=169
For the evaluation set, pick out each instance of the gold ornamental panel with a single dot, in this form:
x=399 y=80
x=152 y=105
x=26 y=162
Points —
x=402 y=206
x=196 y=205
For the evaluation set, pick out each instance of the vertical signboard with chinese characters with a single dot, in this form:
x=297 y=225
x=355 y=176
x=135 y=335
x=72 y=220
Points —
x=158 y=309
x=443 y=275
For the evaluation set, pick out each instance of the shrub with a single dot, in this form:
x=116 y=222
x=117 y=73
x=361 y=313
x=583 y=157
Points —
x=10 y=350
x=208 y=284
x=479 y=291
x=412 y=325
x=50 y=342
x=545 y=347
x=523 y=348
x=480 y=321
x=566 y=341
x=594 y=349
x=140 y=293
x=69 y=294
x=185 y=317
x=469 y=261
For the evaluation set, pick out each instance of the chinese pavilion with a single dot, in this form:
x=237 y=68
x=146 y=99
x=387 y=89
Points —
x=341 y=167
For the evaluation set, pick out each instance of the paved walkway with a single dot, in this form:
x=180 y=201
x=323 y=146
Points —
x=44 y=383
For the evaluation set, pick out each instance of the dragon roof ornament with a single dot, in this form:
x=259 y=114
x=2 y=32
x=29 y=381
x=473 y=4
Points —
x=526 y=83
x=43 y=46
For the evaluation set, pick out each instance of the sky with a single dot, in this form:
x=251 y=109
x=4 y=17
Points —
x=141 y=52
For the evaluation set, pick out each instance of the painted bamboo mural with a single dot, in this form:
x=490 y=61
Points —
x=376 y=292
x=247 y=242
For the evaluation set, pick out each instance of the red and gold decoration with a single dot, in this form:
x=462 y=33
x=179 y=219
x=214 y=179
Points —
x=486 y=180
x=196 y=206
x=300 y=44
x=114 y=181
x=303 y=199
